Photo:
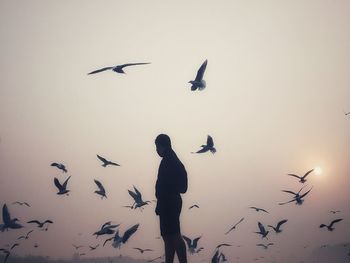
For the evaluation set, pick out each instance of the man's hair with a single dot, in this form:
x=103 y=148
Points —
x=163 y=140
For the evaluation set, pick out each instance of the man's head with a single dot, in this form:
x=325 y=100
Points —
x=162 y=143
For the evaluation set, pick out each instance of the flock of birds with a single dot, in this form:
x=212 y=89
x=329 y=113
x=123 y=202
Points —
x=111 y=231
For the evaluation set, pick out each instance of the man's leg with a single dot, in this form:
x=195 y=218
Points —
x=180 y=248
x=169 y=248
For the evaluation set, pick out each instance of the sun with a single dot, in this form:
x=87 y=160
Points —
x=318 y=170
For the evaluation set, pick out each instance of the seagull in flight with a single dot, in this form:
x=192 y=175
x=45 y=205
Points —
x=278 y=227
x=208 y=147
x=297 y=196
x=7 y=221
x=192 y=244
x=199 y=83
x=93 y=248
x=136 y=195
x=106 y=229
x=118 y=68
x=142 y=250
x=40 y=224
x=101 y=191
x=334 y=212
x=106 y=162
x=26 y=236
x=192 y=206
x=119 y=240
x=234 y=226
x=60 y=166
x=62 y=188
x=21 y=203
x=330 y=226
x=262 y=231
x=257 y=209
x=302 y=178
x=265 y=246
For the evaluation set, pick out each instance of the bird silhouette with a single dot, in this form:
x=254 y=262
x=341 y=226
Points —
x=106 y=229
x=330 y=226
x=21 y=203
x=60 y=166
x=207 y=147
x=192 y=206
x=257 y=209
x=199 y=83
x=62 y=188
x=40 y=224
x=7 y=221
x=26 y=236
x=334 y=212
x=277 y=229
x=298 y=198
x=118 y=68
x=119 y=240
x=101 y=190
x=106 y=162
x=234 y=226
x=302 y=178
x=262 y=231
x=142 y=250
x=264 y=246
x=137 y=196
x=191 y=244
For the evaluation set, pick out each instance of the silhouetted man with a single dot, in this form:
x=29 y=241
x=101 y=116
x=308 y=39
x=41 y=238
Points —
x=171 y=181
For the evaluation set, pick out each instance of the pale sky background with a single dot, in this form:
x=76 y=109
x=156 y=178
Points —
x=278 y=81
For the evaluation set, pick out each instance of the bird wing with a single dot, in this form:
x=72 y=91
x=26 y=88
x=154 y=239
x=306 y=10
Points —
x=287 y=202
x=133 y=64
x=229 y=230
x=100 y=70
x=290 y=192
x=281 y=223
x=195 y=241
x=99 y=185
x=322 y=225
x=261 y=227
x=14 y=245
x=129 y=232
x=335 y=221
x=263 y=210
x=203 y=150
x=133 y=195
x=102 y=159
x=6 y=215
x=137 y=248
x=223 y=245
x=112 y=163
x=34 y=221
x=239 y=221
x=105 y=224
x=26 y=204
x=48 y=221
x=305 y=193
x=108 y=239
x=58 y=184
x=137 y=192
x=54 y=164
x=253 y=207
x=308 y=172
x=210 y=142
x=294 y=175
x=188 y=240
x=201 y=70
x=65 y=183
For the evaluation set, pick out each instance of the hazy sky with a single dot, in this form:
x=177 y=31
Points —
x=278 y=81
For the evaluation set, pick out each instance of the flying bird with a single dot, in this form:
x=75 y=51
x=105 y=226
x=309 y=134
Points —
x=93 y=248
x=302 y=178
x=62 y=188
x=101 y=191
x=118 y=68
x=192 y=206
x=298 y=198
x=192 y=244
x=26 y=236
x=234 y=226
x=106 y=229
x=40 y=224
x=264 y=246
x=106 y=162
x=199 y=83
x=7 y=221
x=119 y=240
x=262 y=231
x=21 y=203
x=223 y=245
x=60 y=166
x=330 y=226
x=14 y=245
x=142 y=250
x=208 y=147
x=278 y=227
x=137 y=196
x=334 y=212
x=257 y=209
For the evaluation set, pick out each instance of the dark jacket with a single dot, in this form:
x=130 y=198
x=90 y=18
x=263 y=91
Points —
x=171 y=182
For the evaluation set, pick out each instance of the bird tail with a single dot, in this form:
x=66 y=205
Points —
x=213 y=150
